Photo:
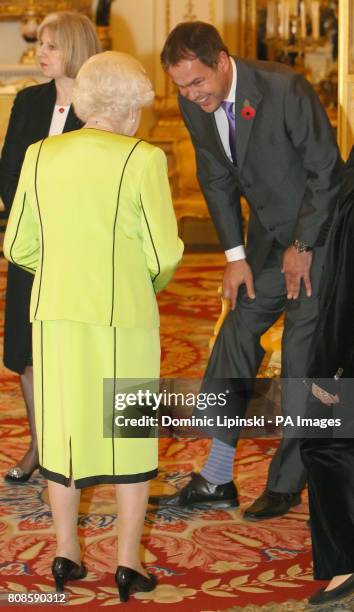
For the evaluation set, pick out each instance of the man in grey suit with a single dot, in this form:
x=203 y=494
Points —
x=258 y=130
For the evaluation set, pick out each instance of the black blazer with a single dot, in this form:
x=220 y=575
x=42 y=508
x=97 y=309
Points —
x=288 y=163
x=333 y=342
x=29 y=122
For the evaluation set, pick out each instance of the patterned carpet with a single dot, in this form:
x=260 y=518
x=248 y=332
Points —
x=205 y=560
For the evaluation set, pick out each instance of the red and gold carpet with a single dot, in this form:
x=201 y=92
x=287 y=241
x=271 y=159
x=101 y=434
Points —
x=205 y=560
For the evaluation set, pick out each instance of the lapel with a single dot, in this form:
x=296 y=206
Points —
x=247 y=93
x=72 y=121
x=44 y=109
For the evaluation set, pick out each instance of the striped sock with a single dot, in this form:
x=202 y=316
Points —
x=219 y=468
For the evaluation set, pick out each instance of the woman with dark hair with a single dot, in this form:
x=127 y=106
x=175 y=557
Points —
x=328 y=454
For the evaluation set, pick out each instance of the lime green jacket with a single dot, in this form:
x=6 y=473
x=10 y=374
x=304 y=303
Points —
x=93 y=220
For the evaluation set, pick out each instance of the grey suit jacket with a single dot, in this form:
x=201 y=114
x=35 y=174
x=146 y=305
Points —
x=288 y=163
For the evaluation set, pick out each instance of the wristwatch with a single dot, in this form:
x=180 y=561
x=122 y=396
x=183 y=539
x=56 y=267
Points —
x=301 y=247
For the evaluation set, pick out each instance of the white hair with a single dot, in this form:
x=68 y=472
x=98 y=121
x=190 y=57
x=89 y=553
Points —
x=111 y=84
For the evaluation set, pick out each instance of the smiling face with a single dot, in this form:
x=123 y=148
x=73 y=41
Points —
x=50 y=57
x=201 y=84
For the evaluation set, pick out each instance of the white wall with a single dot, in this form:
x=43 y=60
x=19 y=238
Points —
x=11 y=42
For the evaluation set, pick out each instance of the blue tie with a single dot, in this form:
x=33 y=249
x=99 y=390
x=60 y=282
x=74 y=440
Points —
x=227 y=106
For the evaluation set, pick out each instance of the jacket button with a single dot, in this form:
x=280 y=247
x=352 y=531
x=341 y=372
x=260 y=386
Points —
x=271 y=228
x=260 y=207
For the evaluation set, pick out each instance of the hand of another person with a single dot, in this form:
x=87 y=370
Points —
x=296 y=266
x=324 y=396
x=237 y=273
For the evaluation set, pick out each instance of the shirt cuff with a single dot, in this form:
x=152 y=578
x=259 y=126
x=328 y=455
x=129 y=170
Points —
x=236 y=253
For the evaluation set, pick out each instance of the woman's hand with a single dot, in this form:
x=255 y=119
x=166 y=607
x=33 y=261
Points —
x=324 y=396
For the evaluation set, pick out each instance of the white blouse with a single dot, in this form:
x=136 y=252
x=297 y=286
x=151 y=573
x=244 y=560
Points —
x=60 y=114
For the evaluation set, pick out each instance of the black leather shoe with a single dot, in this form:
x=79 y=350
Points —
x=64 y=569
x=130 y=581
x=341 y=591
x=16 y=475
x=271 y=504
x=200 y=491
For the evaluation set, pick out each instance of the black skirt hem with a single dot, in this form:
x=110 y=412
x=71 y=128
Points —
x=90 y=481
x=18 y=367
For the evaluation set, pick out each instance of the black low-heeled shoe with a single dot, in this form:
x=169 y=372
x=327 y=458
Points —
x=130 y=581
x=64 y=569
x=16 y=475
x=341 y=591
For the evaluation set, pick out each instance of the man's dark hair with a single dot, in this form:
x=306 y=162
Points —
x=192 y=39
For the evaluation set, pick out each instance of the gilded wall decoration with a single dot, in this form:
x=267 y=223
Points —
x=248 y=33
x=16 y=8
x=351 y=38
x=189 y=14
x=346 y=77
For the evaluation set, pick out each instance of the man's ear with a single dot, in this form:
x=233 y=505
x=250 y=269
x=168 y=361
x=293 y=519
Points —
x=223 y=61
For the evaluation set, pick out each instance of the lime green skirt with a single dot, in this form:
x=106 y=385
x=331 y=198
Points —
x=70 y=361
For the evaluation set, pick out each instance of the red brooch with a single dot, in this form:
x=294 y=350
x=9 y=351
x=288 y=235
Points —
x=248 y=112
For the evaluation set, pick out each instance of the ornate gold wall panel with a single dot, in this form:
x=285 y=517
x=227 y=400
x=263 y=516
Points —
x=346 y=77
x=16 y=8
x=247 y=46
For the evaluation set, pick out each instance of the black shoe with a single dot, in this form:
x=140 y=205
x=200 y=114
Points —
x=16 y=475
x=130 y=581
x=271 y=504
x=64 y=569
x=341 y=591
x=200 y=491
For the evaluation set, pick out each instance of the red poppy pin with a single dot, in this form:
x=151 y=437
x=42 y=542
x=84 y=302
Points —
x=248 y=112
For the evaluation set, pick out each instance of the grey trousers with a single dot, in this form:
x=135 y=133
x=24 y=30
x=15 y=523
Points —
x=237 y=355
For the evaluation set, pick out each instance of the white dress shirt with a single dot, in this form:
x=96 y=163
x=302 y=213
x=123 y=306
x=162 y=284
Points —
x=237 y=252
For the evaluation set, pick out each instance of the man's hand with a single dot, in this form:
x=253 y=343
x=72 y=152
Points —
x=296 y=266
x=237 y=273
x=324 y=396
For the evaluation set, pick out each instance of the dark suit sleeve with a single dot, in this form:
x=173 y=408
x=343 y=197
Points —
x=312 y=136
x=13 y=152
x=220 y=190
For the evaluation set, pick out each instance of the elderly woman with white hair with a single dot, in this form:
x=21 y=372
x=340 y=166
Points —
x=93 y=220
